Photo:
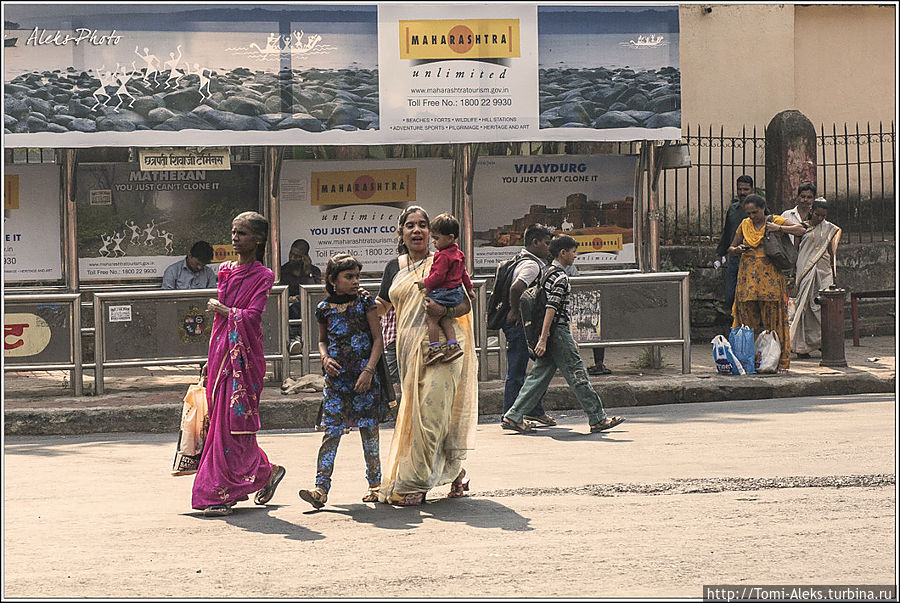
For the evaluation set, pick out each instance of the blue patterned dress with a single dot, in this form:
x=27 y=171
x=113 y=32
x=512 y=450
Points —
x=350 y=344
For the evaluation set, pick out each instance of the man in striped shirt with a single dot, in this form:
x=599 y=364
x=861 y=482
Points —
x=556 y=349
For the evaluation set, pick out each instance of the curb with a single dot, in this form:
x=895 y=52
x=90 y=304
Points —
x=296 y=412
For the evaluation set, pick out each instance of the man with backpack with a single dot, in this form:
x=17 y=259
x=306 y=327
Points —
x=556 y=349
x=512 y=278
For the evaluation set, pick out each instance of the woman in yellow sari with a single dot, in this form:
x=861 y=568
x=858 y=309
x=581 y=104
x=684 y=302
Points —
x=760 y=298
x=438 y=410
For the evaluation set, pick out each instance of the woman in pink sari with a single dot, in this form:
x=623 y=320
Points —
x=232 y=464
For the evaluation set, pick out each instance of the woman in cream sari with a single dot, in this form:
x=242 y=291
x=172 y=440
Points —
x=816 y=270
x=439 y=405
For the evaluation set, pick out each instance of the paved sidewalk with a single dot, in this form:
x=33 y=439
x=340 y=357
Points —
x=149 y=399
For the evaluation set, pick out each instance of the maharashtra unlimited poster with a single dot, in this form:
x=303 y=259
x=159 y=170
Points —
x=353 y=206
x=589 y=197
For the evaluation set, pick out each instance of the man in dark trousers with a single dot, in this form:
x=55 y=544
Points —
x=535 y=254
x=733 y=218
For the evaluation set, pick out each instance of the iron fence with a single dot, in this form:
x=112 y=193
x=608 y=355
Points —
x=855 y=173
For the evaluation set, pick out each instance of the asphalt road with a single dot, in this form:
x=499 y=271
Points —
x=783 y=491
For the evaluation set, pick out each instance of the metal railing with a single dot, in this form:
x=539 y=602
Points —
x=855 y=173
x=193 y=350
x=616 y=308
x=311 y=295
x=72 y=347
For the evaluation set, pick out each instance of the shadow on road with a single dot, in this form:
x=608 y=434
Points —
x=261 y=521
x=474 y=512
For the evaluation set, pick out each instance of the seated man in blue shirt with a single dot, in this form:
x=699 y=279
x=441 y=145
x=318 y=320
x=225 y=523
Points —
x=192 y=272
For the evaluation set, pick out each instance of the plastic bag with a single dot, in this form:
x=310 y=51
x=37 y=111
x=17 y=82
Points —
x=194 y=425
x=726 y=362
x=744 y=346
x=768 y=352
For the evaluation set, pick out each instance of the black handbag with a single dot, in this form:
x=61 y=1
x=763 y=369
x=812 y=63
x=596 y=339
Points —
x=779 y=249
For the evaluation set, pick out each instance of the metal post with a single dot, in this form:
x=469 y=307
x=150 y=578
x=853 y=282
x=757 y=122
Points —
x=854 y=317
x=272 y=166
x=285 y=364
x=77 y=373
x=638 y=219
x=67 y=157
x=66 y=160
x=305 y=315
x=463 y=173
x=685 y=325
x=481 y=338
x=653 y=228
x=99 y=351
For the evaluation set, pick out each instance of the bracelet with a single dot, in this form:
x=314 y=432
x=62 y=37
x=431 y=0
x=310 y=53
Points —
x=368 y=369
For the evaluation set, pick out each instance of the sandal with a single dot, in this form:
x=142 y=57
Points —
x=268 y=491
x=452 y=352
x=371 y=494
x=459 y=486
x=316 y=497
x=434 y=354
x=217 y=511
x=519 y=427
x=544 y=419
x=410 y=500
x=607 y=423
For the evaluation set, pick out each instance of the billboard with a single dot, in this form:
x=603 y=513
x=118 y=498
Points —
x=80 y=75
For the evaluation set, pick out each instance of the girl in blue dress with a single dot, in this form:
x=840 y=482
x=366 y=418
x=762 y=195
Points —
x=350 y=343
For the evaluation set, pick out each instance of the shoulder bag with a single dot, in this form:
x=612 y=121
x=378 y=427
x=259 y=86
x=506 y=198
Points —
x=779 y=249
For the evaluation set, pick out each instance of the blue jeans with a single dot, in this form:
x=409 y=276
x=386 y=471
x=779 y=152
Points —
x=516 y=365
x=449 y=298
x=731 y=275
x=562 y=354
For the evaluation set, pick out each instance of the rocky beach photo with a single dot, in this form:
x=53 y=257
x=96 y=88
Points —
x=604 y=98
x=71 y=100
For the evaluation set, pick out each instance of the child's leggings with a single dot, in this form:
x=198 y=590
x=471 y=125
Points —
x=331 y=439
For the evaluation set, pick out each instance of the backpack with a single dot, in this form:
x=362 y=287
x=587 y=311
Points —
x=498 y=302
x=532 y=307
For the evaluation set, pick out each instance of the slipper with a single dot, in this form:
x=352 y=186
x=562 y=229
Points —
x=521 y=428
x=316 y=497
x=217 y=511
x=607 y=423
x=268 y=491
x=544 y=419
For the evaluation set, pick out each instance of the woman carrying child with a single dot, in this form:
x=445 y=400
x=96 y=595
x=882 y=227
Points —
x=350 y=343
x=444 y=284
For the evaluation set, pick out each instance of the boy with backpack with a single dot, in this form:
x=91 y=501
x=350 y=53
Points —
x=513 y=277
x=556 y=349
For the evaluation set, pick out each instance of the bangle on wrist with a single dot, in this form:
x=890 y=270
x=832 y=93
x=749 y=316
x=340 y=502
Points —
x=368 y=369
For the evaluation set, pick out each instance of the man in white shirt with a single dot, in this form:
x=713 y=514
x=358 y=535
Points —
x=806 y=194
x=192 y=272
x=526 y=272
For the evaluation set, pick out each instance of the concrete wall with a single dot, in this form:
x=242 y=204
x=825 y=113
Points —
x=861 y=267
x=743 y=63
